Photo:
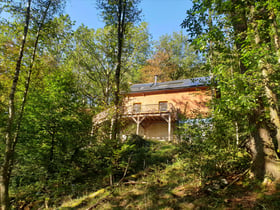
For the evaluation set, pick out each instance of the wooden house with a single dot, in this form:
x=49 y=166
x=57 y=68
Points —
x=153 y=110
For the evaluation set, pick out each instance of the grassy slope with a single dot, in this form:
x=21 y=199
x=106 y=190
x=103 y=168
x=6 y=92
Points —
x=168 y=185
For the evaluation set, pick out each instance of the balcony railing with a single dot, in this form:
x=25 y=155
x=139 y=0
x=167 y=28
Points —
x=148 y=108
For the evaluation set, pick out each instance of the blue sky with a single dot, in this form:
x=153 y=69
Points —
x=163 y=16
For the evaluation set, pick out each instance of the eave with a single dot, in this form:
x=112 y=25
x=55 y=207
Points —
x=166 y=90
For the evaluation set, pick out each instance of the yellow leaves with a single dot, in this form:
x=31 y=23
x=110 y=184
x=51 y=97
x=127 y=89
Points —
x=160 y=65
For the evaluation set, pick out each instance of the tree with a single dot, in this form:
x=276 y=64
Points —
x=239 y=38
x=55 y=138
x=6 y=166
x=34 y=15
x=120 y=15
x=94 y=59
x=174 y=58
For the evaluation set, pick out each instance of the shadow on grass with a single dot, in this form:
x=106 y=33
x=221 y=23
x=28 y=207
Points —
x=168 y=184
x=162 y=188
x=157 y=156
x=270 y=199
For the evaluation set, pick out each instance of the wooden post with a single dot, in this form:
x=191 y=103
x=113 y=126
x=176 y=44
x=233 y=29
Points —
x=137 y=128
x=169 y=127
x=168 y=120
x=111 y=128
x=138 y=121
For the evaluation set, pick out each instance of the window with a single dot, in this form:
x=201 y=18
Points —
x=163 y=106
x=137 y=107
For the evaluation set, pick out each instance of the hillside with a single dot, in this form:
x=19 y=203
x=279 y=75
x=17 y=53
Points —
x=173 y=180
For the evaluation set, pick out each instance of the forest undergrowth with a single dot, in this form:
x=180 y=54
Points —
x=184 y=176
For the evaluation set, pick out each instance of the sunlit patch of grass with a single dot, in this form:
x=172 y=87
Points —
x=79 y=202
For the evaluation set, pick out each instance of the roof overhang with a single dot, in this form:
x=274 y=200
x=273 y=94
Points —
x=166 y=90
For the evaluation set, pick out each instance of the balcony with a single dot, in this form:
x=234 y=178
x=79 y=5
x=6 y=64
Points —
x=149 y=111
x=161 y=111
x=138 y=108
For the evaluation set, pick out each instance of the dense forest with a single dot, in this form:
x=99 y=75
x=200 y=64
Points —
x=54 y=79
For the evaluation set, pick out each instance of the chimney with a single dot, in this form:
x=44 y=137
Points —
x=155 y=83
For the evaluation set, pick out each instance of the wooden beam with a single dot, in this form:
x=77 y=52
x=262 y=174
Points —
x=166 y=118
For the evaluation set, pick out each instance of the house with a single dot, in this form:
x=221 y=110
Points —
x=153 y=110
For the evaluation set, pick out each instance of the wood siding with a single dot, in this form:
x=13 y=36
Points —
x=189 y=102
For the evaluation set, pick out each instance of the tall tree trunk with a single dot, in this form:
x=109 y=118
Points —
x=9 y=140
x=120 y=34
x=263 y=150
x=272 y=96
x=266 y=70
x=275 y=34
x=273 y=106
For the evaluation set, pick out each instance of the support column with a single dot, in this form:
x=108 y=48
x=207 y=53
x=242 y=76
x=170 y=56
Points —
x=138 y=121
x=169 y=127
x=137 y=127
x=169 y=121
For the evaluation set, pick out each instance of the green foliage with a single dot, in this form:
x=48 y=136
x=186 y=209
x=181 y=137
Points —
x=74 y=77
x=211 y=149
x=55 y=136
x=124 y=159
x=239 y=40
x=94 y=56
x=177 y=184
x=135 y=149
x=212 y=162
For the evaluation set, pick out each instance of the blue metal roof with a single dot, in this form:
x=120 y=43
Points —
x=176 y=84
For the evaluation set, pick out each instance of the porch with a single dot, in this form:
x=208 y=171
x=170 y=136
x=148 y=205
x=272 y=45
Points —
x=151 y=115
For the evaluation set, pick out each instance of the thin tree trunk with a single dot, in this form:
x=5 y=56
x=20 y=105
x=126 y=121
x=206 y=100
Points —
x=236 y=133
x=239 y=27
x=28 y=79
x=9 y=144
x=51 y=156
x=211 y=61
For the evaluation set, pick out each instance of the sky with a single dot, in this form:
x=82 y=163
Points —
x=163 y=16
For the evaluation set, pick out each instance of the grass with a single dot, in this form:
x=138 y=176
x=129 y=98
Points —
x=168 y=183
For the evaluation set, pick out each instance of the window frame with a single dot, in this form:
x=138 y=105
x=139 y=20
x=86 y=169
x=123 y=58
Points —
x=160 y=106
x=137 y=107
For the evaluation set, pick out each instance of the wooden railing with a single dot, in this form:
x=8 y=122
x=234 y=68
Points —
x=148 y=108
